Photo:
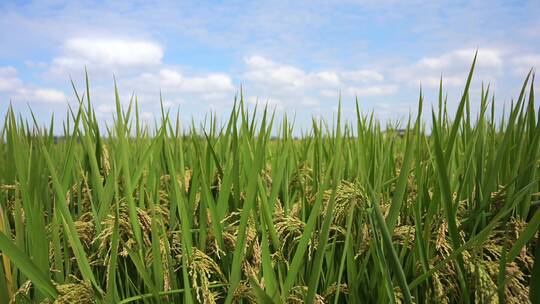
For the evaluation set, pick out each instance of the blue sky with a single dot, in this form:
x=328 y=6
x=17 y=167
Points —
x=297 y=56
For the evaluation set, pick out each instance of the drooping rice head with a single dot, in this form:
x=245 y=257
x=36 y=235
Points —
x=482 y=267
x=75 y=293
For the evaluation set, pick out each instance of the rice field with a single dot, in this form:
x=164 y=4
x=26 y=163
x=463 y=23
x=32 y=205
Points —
x=245 y=212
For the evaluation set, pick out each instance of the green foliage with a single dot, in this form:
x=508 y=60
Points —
x=351 y=212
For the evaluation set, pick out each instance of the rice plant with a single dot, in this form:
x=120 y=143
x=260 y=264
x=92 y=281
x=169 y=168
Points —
x=231 y=213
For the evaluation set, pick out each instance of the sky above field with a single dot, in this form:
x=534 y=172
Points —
x=296 y=56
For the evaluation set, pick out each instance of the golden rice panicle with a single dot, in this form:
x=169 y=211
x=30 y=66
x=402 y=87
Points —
x=75 y=293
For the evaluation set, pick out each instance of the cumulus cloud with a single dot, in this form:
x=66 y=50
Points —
x=13 y=88
x=363 y=75
x=451 y=66
x=173 y=81
x=272 y=103
x=293 y=86
x=281 y=86
x=261 y=71
x=374 y=90
x=49 y=96
x=176 y=81
x=284 y=87
x=9 y=81
x=107 y=53
x=522 y=64
x=327 y=77
x=266 y=72
x=489 y=58
x=192 y=92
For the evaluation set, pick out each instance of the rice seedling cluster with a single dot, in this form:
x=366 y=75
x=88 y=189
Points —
x=245 y=212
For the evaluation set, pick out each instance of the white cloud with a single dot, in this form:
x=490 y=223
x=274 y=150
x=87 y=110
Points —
x=272 y=103
x=329 y=93
x=107 y=53
x=363 y=75
x=105 y=109
x=299 y=32
x=374 y=90
x=147 y=116
x=487 y=58
x=435 y=81
x=8 y=71
x=259 y=62
x=522 y=64
x=272 y=76
x=193 y=93
x=211 y=82
x=49 y=95
x=296 y=88
x=170 y=80
x=13 y=88
x=38 y=95
x=9 y=84
x=328 y=77
x=452 y=66
x=9 y=80
x=266 y=72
